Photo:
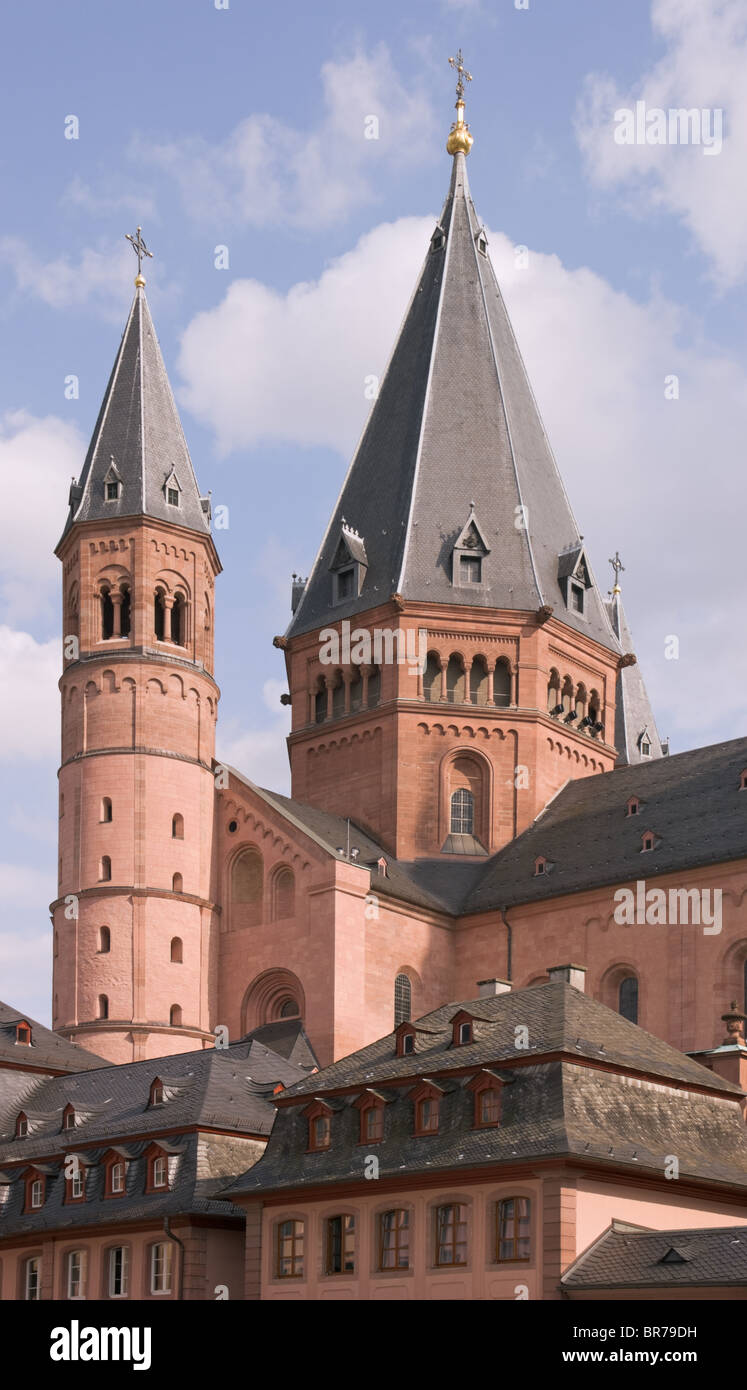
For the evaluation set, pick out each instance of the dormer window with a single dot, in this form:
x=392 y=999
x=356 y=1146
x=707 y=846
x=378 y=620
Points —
x=487 y=1090
x=574 y=578
x=156 y=1092
x=405 y=1036
x=470 y=550
x=349 y=565
x=462 y=1030
x=68 y=1117
x=112 y=483
x=172 y=490
x=438 y=240
x=540 y=865
x=116 y=1177
x=644 y=743
x=577 y=598
x=427 y=1101
x=34 y=1192
x=76 y=1185
x=743 y=781
x=371 y=1106
x=481 y=242
x=22 y=1126
x=648 y=841
x=634 y=806
x=159 y=1174
x=23 y=1033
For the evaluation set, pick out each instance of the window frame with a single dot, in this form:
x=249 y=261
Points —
x=501 y=1202
x=398 y=1245
x=124 y=1271
x=30 y=1260
x=82 y=1273
x=345 y=1232
x=167 y=1269
x=296 y=1240
x=455 y=1243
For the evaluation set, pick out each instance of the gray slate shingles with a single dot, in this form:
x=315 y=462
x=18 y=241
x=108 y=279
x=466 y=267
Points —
x=627 y=1258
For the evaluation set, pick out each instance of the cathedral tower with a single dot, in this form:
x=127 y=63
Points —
x=454 y=540
x=134 y=917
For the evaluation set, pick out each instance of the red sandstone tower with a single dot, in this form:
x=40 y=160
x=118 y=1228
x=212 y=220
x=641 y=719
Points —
x=452 y=523
x=134 y=921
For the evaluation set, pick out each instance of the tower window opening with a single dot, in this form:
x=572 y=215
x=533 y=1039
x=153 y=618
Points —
x=107 y=615
x=402 y=1000
x=105 y=941
x=177 y=827
x=627 y=999
x=577 y=598
x=172 y=496
x=177 y=883
x=175 y=1016
x=105 y=869
x=176 y=950
x=374 y=687
x=178 y=614
x=470 y=569
x=112 y=492
x=103 y=1006
x=125 y=614
x=159 y=616
x=345 y=583
x=502 y=685
x=106 y=808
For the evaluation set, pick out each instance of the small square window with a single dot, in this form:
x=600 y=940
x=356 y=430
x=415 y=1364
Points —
x=470 y=569
x=172 y=496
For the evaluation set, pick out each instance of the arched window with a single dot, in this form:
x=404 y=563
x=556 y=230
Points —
x=175 y=1016
x=103 y=1006
x=178 y=621
x=32 y=1280
x=566 y=698
x=106 y=808
x=356 y=689
x=432 y=678
x=107 y=615
x=284 y=893
x=451 y=1234
x=502 y=685
x=159 y=616
x=512 y=1229
x=580 y=705
x=402 y=1000
x=105 y=868
x=627 y=999
x=553 y=693
x=176 y=949
x=105 y=940
x=246 y=878
x=479 y=681
x=462 y=818
x=124 y=612
x=289 y=1009
x=320 y=702
x=177 y=883
x=455 y=681
x=177 y=827
x=374 y=687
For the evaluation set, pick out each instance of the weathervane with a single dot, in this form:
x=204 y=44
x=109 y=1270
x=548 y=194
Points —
x=618 y=567
x=463 y=75
x=141 y=250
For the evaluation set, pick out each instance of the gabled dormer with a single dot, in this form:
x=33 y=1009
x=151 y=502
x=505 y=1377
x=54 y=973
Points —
x=438 y=239
x=468 y=555
x=172 y=490
x=112 y=483
x=404 y=1036
x=348 y=566
x=23 y=1033
x=644 y=742
x=462 y=1029
x=574 y=577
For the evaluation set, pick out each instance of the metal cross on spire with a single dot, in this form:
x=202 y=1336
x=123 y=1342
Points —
x=618 y=567
x=140 y=249
x=462 y=74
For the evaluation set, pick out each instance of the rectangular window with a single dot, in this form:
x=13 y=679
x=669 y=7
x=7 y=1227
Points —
x=78 y=1185
x=290 y=1250
x=341 y=1245
x=112 y=492
x=394 y=1239
x=428 y=1116
x=512 y=1235
x=373 y=1124
x=173 y=496
x=160 y=1173
x=321 y=1132
x=489 y=1106
x=76 y=1275
x=345 y=584
x=118 y=1271
x=32 y=1289
x=451 y=1235
x=577 y=598
x=37 y=1193
x=470 y=569
x=160 y=1267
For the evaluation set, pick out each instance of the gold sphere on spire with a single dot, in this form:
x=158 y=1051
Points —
x=139 y=282
x=460 y=140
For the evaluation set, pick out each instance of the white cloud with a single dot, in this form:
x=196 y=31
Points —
x=100 y=276
x=265 y=171
x=109 y=198
x=29 y=699
x=38 y=458
x=260 y=754
x=633 y=461
x=703 y=66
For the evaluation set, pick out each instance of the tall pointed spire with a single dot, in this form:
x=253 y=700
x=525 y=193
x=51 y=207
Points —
x=636 y=735
x=456 y=421
x=138 y=463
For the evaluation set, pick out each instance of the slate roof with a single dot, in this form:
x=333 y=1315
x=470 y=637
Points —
x=138 y=430
x=455 y=422
x=47 y=1051
x=633 y=712
x=230 y=1091
x=626 y=1257
x=550 y=1108
x=691 y=802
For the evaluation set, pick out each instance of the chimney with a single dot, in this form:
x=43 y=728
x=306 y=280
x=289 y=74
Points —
x=488 y=988
x=574 y=975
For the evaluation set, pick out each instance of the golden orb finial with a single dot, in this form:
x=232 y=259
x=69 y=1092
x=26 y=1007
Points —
x=460 y=140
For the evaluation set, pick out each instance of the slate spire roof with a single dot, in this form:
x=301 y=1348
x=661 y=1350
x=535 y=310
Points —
x=455 y=431
x=635 y=726
x=138 y=441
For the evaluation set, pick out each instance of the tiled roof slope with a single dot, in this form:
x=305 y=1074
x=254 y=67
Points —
x=633 y=712
x=658 y=1101
x=624 y=1257
x=691 y=802
x=455 y=422
x=48 y=1051
x=139 y=431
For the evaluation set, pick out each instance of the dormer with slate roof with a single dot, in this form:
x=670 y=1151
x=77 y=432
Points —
x=468 y=563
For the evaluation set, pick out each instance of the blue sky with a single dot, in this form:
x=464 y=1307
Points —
x=244 y=127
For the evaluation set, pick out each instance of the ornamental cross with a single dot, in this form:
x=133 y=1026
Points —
x=617 y=566
x=463 y=76
x=139 y=247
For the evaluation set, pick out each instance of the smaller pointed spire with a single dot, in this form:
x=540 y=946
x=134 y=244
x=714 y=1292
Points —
x=460 y=140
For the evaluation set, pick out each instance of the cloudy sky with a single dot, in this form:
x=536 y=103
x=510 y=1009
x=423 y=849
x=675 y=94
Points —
x=226 y=123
